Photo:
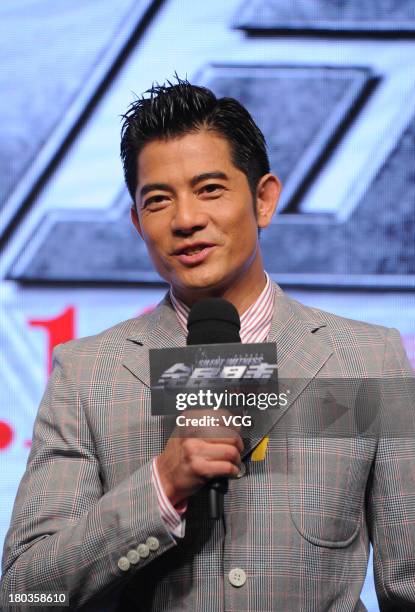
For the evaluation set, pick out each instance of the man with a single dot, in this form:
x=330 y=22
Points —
x=113 y=510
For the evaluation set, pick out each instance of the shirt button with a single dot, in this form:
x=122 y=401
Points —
x=242 y=470
x=133 y=556
x=143 y=550
x=237 y=577
x=152 y=543
x=123 y=564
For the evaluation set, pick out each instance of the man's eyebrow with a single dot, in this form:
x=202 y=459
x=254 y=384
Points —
x=196 y=179
x=208 y=175
x=154 y=186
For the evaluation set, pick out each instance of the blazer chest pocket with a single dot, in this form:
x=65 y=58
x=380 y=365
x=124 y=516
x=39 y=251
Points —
x=326 y=479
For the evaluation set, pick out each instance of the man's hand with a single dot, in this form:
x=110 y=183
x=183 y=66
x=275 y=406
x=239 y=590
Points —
x=192 y=456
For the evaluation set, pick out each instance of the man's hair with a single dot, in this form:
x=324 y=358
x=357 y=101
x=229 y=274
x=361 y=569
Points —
x=173 y=110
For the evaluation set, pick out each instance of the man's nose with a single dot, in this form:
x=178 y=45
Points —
x=188 y=215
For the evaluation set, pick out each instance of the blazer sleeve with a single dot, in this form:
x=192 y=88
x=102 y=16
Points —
x=391 y=492
x=67 y=533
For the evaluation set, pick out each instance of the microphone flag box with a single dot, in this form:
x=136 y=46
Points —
x=231 y=376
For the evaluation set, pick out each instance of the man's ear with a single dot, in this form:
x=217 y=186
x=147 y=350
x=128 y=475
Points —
x=135 y=220
x=268 y=193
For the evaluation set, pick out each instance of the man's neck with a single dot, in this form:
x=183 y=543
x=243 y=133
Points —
x=243 y=301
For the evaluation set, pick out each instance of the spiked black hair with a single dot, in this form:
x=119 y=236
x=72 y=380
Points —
x=173 y=110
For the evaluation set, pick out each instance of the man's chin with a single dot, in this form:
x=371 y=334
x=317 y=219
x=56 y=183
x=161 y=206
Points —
x=200 y=285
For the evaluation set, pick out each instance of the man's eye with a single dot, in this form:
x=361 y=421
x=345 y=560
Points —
x=157 y=199
x=211 y=188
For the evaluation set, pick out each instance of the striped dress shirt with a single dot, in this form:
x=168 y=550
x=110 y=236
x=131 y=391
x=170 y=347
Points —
x=255 y=326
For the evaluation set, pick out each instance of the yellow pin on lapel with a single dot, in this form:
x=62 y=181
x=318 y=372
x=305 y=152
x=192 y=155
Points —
x=261 y=450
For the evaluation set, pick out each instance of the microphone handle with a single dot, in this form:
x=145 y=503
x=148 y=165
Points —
x=217 y=489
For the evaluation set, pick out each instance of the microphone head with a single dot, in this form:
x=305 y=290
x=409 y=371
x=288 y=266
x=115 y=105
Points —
x=213 y=321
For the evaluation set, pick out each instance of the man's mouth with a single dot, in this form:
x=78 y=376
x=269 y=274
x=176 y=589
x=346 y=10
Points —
x=194 y=253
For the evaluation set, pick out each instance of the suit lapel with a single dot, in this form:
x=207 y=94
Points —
x=160 y=330
x=300 y=356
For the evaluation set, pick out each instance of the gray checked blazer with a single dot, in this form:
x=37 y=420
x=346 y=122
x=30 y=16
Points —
x=298 y=524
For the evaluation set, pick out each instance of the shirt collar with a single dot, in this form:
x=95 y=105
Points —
x=255 y=321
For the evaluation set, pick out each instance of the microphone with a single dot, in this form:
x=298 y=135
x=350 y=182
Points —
x=214 y=321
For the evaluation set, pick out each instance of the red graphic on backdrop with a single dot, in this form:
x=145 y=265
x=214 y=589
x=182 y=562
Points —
x=6 y=435
x=60 y=329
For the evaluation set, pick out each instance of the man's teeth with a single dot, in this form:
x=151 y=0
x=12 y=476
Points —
x=194 y=251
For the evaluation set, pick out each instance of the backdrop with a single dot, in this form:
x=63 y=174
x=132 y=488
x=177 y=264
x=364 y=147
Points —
x=330 y=84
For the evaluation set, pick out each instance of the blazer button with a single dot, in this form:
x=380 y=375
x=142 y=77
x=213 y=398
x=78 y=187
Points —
x=242 y=470
x=133 y=556
x=237 y=577
x=123 y=564
x=152 y=543
x=143 y=550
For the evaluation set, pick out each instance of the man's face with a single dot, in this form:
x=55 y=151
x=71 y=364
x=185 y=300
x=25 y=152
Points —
x=196 y=214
